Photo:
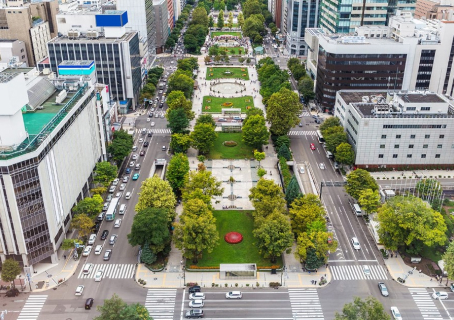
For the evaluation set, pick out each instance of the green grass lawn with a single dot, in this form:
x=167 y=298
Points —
x=233 y=50
x=214 y=104
x=243 y=252
x=240 y=151
x=223 y=33
x=219 y=73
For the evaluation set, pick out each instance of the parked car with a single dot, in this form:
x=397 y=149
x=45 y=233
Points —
x=194 y=289
x=109 y=198
x=112 y=189
x=383 y=289
x=197 y=295
x=92 y=239
x=194 y=314
x=234 y=295
x=196 y=304
x=115 y=181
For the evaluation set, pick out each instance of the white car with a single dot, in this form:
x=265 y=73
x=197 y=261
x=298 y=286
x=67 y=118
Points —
x=140 y=140
x=440 y=295
x=152 y=124
x=396 y=314
x=135 y=156
x=98 y=275
x=128 y=195
x=116 y=225
x=355 y=243
x=196 y=304
x=197 y=296
x=148 y=119
x=92 y=239
x=131 y=164
x=87 y=251
x=115 y=182
x=366 y=270
x=122 y=186
x=112 y=189
x=301 y=169
x=322 y=166
x=118 y=194
x=234 y=295
x=98 y=249
x=126 y=179
x=79 y=290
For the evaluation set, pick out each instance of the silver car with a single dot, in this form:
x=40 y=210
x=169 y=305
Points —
x=196 y=304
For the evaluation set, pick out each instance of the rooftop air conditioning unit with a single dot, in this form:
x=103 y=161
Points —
x=92 y=34
x=73 y=34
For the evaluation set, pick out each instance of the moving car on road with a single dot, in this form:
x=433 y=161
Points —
x=396 y=314
x=440 y=295
x=98 y=275
x=79 y=290
x=194 y=314
x=383 y=289
x=197 y=295
x=135 y=176
x=312 y=146
x=355 y=243
x=234 y=295
x=196 y=304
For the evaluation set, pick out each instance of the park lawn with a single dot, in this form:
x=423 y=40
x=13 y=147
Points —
x=223 y=33
x=243 y=252
x=218 y=73
x=240 y=151
x=236 y=50
x=215 y=106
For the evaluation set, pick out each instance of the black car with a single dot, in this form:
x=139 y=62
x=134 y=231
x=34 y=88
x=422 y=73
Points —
x=104 y=234
x=96 y=227
x=89 y=303
x=161 y=105
x=145 y=144
x=194 y=289
x=150 y=115
x=194 y=313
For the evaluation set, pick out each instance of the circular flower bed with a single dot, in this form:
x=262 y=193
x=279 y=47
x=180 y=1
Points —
x=227 y=104
x=230 y=143
x=233 y=237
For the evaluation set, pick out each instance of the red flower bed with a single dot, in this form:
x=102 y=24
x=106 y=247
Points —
x=233 y=237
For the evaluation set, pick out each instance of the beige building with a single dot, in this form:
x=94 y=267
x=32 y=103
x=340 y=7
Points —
x=33 y=23
x=435 y=9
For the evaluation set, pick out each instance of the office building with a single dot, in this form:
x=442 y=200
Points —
x=32 y=23
x=115 y=52
x=162 y=23
x=50 y=143
x=302 y=14
x=398 y=129
x=409 y=54
x=171 y=11
x=13 y=53
x=435 y=9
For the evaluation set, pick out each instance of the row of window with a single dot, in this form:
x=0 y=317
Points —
x=423 y=156
x=413 y=136
x=414 y=126
x=411 y=146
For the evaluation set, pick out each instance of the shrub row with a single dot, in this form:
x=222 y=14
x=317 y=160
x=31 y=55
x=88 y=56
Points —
x=285 y=171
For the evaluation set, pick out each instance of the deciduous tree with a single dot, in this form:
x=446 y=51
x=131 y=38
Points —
x=181 y=82
x=70 y=243
x=334 y=139
x=306 y=88
x=156 y=193
x=368 y=309
x=240 y=20
x=251 y=7
x=266 y=197
x=206 y=118
x=345 y=154
x=178 y=121
x=448 y=258
x=220 y=23
x=292 y=192
x=328 y=123
x=116 y=309
x=203 y=185
x=358 y=181
x=304 y=210
x=259 y=156
x=83 y=223
x=89 y=206
x=177 y=170
x=255 y=132
x=120 y=146
x=177 y=100
x=203 y=137
x=230 y=19
x=10 y=271
x=180 y=142
x=369 y=200
x=282 y=112
x=200 y=16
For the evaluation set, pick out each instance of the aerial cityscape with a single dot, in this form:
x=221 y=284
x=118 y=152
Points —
x=226 y=159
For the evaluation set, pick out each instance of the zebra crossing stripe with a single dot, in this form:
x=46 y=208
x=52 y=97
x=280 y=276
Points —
x=356 y=272
x=425 y=303
x=32 y=307
x=160 y=303
x=302 y=133
x=111 y=271
x=305 y=304
x=161 y=131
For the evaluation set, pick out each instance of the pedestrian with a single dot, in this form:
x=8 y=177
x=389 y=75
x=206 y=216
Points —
x=312 y=281
x=315 y=282
x=64 y=256
x=392 y=254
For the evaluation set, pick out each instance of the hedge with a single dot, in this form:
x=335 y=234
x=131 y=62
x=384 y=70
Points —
x=285 y=171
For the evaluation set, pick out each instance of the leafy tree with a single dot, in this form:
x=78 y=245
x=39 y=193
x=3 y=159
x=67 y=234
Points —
x=120 y=146
x=177 y=100
x=177 y=170
x=261 y=172
x=253 y=27
x=211 y=22
x=214 y=50
x=312 y=261
x=299 y=72
x=259 y=156
x=202 y=185
x=83 y=223
x=315 y=242
x=369 y=200
x=148 y=256
x=181 y=82
x=427 y=188
x=251 y=7
x=220 y=23
x=240 y=19
x=252 y=112
x=292 y=192
x=358 y=181
x=334 y=137
x=292 y=62
x=156 y=193
x=273 y=236
x=135 y=311
x=284 y=152
x=170 y=43
x=188 y=64
x=180 y=142
x=116 y=309
x=148 y=91
x=150 y=226
x=448 y=258
x=345 y=154
x=196 y=230
x=200 y=16
x=306 y=88
x=190 y=42
x=230 y=19
x=304 y=210
x=10 y=271
x=203 y=137
x=89 y=206
x=282 y=112
x=255 y=132
x=98 y=190
x=70 y=243
x=410 y=222
x=178 y=121
x=282 y=140
x=266 y=197
x=368 y=309
x=328 y=123
x=206 y=118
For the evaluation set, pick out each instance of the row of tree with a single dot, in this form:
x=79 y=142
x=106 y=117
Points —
x=149 y=89
x=176 y=31
x=271 y=77
x=195 y=35
x=305 y=83
x=336 y=141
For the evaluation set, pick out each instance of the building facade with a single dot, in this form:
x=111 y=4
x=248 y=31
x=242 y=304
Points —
x=430 y=9
x=162 y=24
x=398 y=129
x=13 y=53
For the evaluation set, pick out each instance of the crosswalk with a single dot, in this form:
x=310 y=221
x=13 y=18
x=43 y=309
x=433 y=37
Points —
x=160 y=303
x=165 y=131
x=111 y=271
x=302 y=133
x=425 y=303
x=32 y=307
x=305 y=304
x=358 y=272
x=305 y=114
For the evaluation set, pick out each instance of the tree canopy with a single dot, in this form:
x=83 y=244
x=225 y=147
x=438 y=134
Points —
x=267 y=197
x=121 y=145
x=255 y=132
x=105 y=173
x=369 y=200
x=180 y=142
x=203 y=137
x=116 y=309
x=358 y=181
x=368 y=309
x=156 y=193
x=345 y=154
x=282 y=111
x=202 y=185
x=177 y=100
x=89 y=206
x=10 y=271
x=83 y=223
x=177 y=170
x=178 y=121
x=181 y=82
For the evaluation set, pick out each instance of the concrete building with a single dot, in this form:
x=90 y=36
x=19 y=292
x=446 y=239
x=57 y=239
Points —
x=103 y=38
x=162 y=16
x=13 y=53
x=302 y=14
x=409 y=55
x=398 y=129
x=435 y=9
x=33 y=23
x=50 y=143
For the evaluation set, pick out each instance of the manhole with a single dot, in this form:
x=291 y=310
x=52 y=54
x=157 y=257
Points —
x=232 y=197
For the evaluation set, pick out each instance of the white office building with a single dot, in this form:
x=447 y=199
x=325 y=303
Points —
x=398 y=129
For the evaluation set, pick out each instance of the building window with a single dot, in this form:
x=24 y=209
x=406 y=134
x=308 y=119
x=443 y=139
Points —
x=439 y=146
x=409 y=155
x=383 y=136
x=394 y=156
x=425 y=146
x=411 y=146
x=397 y=136
x=412 y=136
x=423 y=155
x=382 y=146
x=427 y=136
x=380 y=156
x=396 y=146
x=437 y=156
x=425 y=108
x=442 y=136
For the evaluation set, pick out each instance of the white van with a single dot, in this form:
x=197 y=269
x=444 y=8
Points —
x=122 y=209
x=87 y=268
x=329 y=155
x=357 y=210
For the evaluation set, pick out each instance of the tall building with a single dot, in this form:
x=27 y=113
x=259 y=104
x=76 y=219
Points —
x=32 y=23
x=409 y=54
x=141 y=18
x=398 y=129
x=50 y=143
x=13 y=53
x=115 y=52
x=171 y=11
x=162 y=23
x=302 y=14
x=435 y=9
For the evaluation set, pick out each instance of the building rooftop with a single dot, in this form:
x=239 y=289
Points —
x=421 y=97
x=350 y=96
x=64 y=39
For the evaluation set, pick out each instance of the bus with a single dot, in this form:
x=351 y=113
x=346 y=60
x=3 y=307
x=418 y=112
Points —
x=320 y=137
x=110 y=215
